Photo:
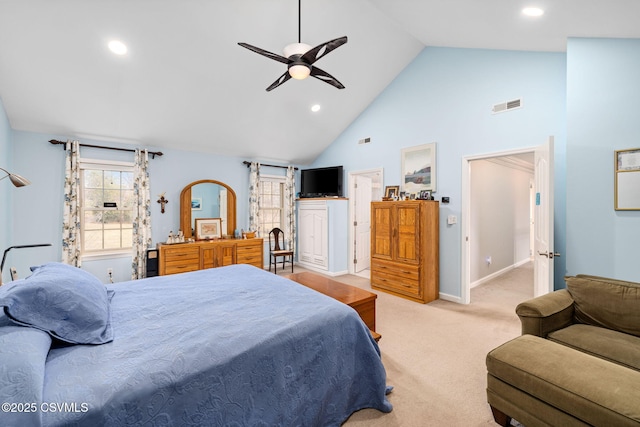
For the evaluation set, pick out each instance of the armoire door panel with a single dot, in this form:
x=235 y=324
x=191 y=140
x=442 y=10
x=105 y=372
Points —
x=382 y=235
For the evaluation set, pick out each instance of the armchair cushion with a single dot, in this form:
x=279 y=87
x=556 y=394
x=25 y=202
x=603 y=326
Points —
x=614 y=346
x=611 y=304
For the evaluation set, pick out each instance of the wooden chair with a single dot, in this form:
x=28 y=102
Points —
x=276 y=249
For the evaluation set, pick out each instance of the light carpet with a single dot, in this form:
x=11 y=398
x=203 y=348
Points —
x=434 y=354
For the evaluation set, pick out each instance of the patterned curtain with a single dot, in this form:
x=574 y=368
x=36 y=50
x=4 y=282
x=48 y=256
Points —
x=254 y=197
x=71 y=216
x=290 y=208
x=142 y=215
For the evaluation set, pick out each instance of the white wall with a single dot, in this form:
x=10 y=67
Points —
x=499 y=219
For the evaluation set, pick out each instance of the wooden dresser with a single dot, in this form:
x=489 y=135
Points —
x=183 y=257
x=404 y=248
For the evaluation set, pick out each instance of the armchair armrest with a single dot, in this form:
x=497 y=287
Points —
x=547 y=313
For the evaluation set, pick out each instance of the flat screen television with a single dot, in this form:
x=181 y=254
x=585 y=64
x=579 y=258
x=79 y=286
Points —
x=321 y=182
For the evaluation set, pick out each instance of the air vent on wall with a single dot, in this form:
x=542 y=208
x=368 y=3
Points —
x=507 y=106
x=364 y=140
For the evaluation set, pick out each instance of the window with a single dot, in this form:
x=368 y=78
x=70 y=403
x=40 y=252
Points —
x=106 y=203
x=271 y=204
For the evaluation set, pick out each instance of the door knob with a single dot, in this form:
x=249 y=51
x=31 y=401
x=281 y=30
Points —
x=549 y=255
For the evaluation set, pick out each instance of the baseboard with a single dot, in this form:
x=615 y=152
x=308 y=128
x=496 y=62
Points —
x=451 y=298
x=499 y=272
x=321 y=270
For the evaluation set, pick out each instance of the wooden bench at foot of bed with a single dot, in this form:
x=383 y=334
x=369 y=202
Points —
x=364 y=302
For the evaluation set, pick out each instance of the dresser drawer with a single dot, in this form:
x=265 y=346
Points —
x=180 y=259
x=181 y=253
x=249 y=252
x=401 y=278
x=181 y=267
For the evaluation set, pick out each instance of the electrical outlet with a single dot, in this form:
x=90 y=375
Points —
x=488 y=260
x=109 y=271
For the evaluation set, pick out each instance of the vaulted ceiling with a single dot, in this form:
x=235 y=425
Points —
x=185 y=83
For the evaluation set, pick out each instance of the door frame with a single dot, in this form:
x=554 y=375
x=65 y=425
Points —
x=465 y=282
x=376 y=194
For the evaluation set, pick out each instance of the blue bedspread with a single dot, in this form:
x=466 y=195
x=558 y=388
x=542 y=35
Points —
x=232 y=346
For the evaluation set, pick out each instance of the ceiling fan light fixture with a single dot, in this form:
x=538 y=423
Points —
x=300 y=59
x=299 y=72
x=295 y=49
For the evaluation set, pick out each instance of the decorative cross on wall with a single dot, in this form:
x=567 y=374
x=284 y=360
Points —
x=162 y=202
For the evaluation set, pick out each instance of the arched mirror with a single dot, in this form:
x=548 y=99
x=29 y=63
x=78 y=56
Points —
x=207 y=198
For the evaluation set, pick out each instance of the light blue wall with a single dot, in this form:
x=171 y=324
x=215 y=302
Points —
x=603 y=115
x=445 y=96
x=37 y=216
x=6 y=188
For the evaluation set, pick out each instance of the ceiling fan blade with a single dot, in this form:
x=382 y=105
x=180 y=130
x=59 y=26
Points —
x=283 y=78
x=322 y=49
x=326 y=77
x=263 y=52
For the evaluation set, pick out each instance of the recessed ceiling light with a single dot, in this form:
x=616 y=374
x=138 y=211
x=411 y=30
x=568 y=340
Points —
x=117 y=47
x=532 y=11
x=315 y=108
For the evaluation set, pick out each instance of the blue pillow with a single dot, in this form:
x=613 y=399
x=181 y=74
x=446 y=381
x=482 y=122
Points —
x=67 y=302
x=23 y=353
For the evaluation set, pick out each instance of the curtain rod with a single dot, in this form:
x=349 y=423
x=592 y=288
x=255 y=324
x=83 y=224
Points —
x=153 y=153
x=271 y=166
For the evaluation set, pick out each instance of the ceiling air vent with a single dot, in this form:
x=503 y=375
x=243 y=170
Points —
x=365 y=140
x=507 y=106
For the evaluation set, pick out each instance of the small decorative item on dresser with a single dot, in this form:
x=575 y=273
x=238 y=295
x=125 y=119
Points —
x=249 y=234
x=425 y=195
x=391 y=192
x=208 y=228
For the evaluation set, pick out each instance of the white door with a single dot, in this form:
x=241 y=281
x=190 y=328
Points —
x=543 y=220
x=362 y=222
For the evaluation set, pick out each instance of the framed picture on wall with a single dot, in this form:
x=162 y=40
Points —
x=208 y=228
x=196 y=203
x=419 y=168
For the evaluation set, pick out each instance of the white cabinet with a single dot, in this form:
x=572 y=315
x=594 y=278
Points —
x=313 y=234
x=322 y=235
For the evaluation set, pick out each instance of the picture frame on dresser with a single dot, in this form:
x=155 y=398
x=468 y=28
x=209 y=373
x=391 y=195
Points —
x=208 y=228
x=391 y=191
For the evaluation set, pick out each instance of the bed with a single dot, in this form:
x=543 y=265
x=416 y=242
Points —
x=230 y=346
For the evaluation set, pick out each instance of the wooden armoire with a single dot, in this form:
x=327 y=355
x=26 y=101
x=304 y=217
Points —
x=404 y=248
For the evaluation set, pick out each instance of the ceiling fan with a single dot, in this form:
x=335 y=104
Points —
x=300 y=58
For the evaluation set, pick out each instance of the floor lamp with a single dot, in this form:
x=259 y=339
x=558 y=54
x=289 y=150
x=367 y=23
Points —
x=4 y=256
x=17 y=180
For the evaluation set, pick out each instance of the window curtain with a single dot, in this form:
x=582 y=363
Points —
x=71 y=216
x=142 y=214
x=254 y=196
x=290 y=208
